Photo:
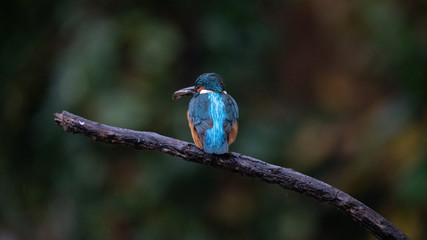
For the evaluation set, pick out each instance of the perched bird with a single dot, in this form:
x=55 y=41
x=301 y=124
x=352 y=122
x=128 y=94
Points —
x=212 y=114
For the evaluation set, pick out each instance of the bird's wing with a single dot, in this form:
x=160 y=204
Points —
x=199 y=116
x=232 y=111
x=230 y=123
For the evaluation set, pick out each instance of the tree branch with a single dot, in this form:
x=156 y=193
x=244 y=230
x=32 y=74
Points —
x=245 y=165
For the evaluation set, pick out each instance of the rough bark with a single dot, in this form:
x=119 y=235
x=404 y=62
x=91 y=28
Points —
x=238 y=163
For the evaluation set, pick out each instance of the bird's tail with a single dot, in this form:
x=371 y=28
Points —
x=216 y=150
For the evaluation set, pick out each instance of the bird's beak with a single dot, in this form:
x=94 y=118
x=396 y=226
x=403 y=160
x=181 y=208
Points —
x=184 y=92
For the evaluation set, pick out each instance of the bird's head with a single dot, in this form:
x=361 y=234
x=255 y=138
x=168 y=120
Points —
x=211 y=82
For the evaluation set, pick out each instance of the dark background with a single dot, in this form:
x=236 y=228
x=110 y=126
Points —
x=333 y=89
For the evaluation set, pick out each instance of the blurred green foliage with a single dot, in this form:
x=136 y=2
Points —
x=334 y=89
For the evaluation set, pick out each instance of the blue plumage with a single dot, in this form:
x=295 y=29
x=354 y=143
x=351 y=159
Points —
x=212 y=114
x=215 y=137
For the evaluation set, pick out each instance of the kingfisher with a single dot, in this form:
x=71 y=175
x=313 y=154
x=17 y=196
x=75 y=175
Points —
x=212 y=114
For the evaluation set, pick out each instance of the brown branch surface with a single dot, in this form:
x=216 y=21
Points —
x=245 y=165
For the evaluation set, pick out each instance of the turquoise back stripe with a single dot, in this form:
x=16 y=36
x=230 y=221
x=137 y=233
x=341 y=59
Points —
x=215 y=136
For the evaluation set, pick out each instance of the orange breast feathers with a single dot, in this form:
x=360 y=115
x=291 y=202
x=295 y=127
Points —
x=194 y=133
x=233 y=133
